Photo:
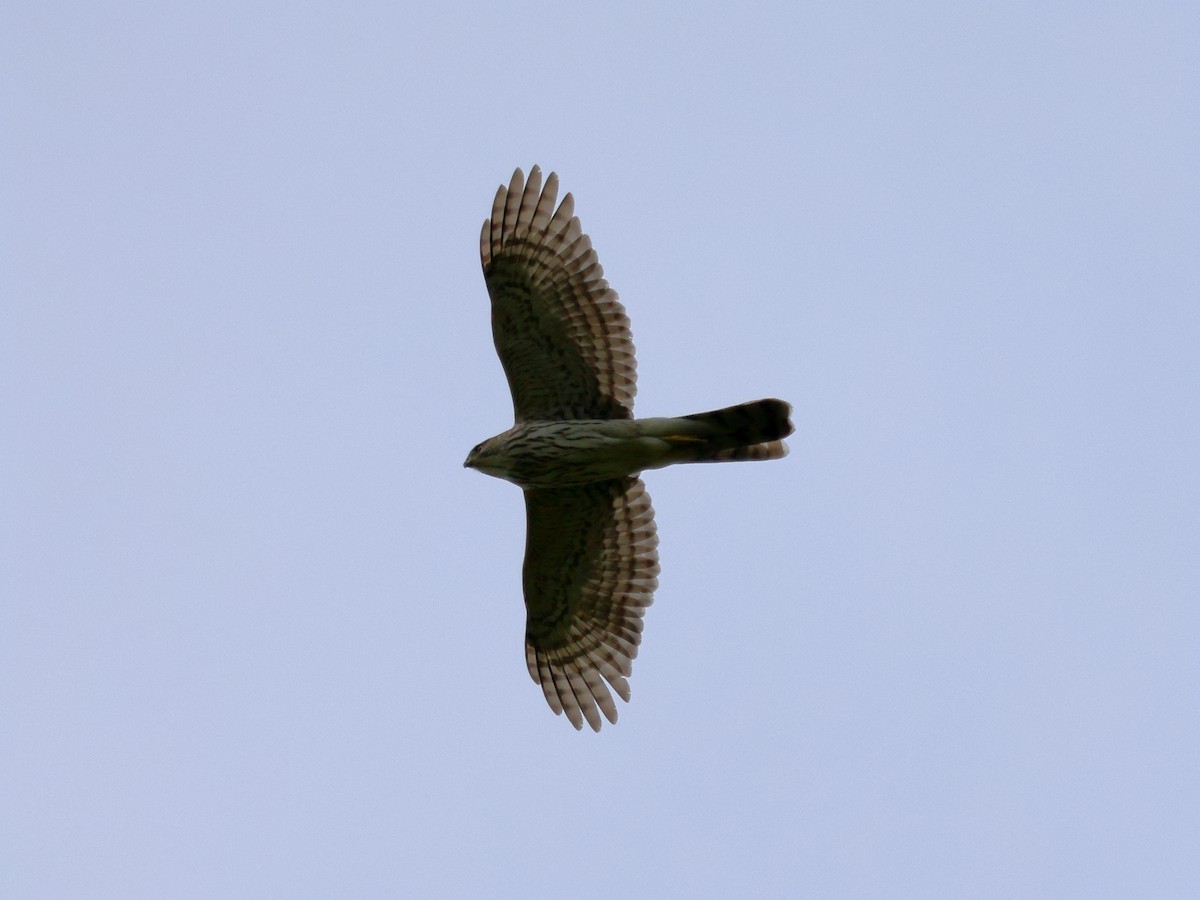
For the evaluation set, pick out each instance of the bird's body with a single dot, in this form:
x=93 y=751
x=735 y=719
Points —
x=563 y=338
x=566 y=452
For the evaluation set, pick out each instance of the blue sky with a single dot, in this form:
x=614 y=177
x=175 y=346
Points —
x=261 y=634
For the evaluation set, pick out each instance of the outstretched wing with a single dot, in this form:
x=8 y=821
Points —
x=561 y=333
x=591 y=568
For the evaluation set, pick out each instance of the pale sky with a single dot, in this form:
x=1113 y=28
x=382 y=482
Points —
x=261 y=633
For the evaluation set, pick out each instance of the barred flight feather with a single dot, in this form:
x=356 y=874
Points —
x=591 y=568
x=561 y=333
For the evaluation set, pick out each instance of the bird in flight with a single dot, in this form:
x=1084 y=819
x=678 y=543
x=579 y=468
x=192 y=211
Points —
x=591 y=564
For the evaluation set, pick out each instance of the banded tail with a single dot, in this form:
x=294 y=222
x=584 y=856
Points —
x=748 y=431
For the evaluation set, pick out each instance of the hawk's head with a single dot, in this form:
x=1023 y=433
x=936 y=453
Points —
x=490 y=457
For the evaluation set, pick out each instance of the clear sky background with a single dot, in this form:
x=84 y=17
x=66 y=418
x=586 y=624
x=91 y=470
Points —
x=261 y=633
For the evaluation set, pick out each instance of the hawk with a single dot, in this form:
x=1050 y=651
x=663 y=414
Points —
x=591 y=564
